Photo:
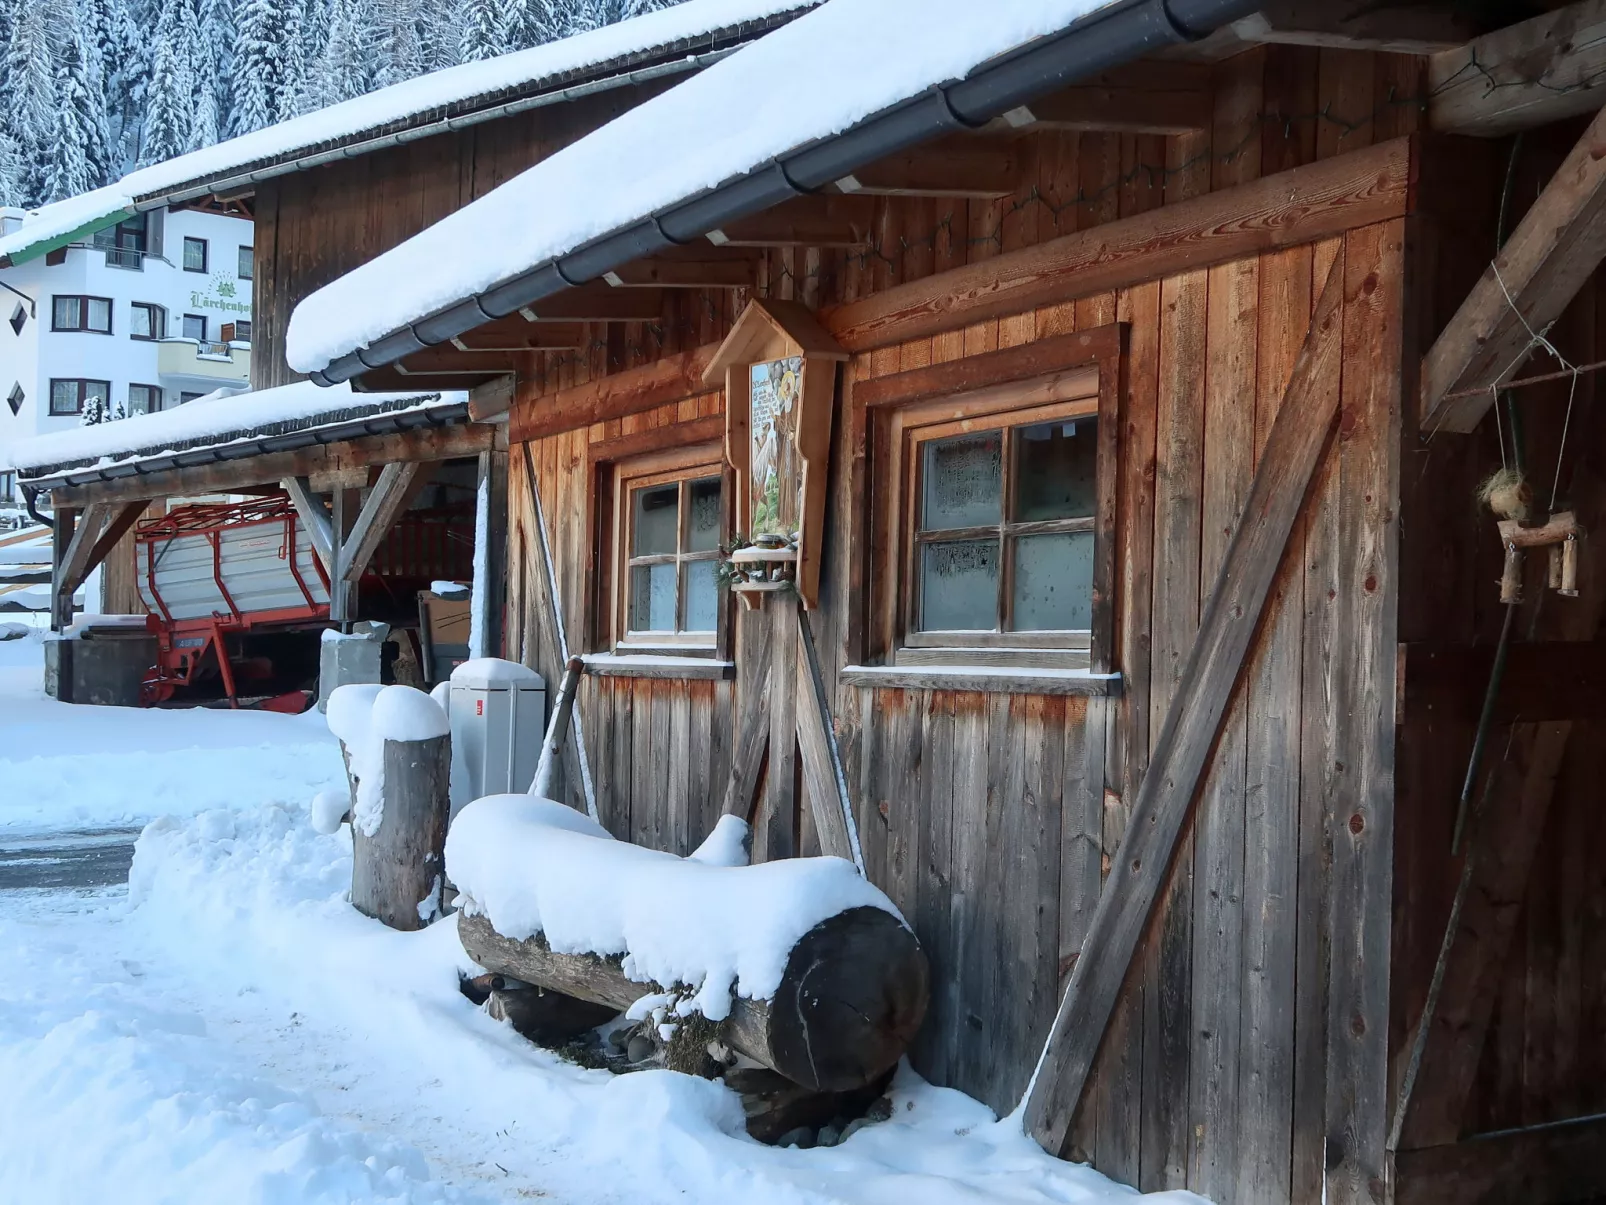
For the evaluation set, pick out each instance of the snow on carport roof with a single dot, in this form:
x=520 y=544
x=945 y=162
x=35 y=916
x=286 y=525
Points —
x=217 y=421
x=807 y=81
x=688 y=27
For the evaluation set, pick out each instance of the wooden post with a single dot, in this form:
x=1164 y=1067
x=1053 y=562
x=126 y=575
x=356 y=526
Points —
x=61 y=540
x=492 y=597
x=396 y=874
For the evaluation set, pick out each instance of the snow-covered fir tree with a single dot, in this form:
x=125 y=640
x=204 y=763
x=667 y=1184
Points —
x=96 y=87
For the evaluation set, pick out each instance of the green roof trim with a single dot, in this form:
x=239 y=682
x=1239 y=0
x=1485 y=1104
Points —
x=54 y=243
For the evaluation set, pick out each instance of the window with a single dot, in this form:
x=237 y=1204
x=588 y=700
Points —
x=149 y=321
x=188 y=397
x=242 y=330
x=69 y=396
x=669 y=526
x=8 y=486
x=92 y=314
x=194 y=254
x=144 y=399
x=195 y=327
x=990 y=509
x=19 y=318
x=16 y=397
x=125 y=243
x=246 y=264
x=1001 y=539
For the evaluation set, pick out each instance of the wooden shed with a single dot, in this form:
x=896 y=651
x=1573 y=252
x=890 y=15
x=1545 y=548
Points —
x=1058 y=484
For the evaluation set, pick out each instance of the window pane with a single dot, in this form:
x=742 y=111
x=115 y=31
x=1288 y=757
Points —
x=1054 y=582
x=655 y=519
x=959 y=586
x=98 y=389
x=962 y=481
x=195 y=254
x=243 y=271
x=702 y=597
x=100 y=314
x=242 y=332
x=64 y=397
x=1055 y=467
x=66 y=313
x=702 y=523
x=195 y=326
x=140 y=324
x=652 y=598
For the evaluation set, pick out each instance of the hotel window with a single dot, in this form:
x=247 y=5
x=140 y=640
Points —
x=195 y=327
x=91 y=314
x=125 y=244
x=186 y=397
x=19 y=318
x=144 y=399
x=194 y=254
x=69 y=396
x=246 y=265
x=148 y=321
x=15 y=398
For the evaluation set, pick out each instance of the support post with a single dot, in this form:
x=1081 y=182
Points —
x=61 y=539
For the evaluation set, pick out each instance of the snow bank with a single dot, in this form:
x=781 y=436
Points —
x=364 y=716
x=737 y=115
x=215 y=420
x=531 y=866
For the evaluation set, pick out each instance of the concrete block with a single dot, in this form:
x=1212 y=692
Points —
x=345 y=659
x=103 y=669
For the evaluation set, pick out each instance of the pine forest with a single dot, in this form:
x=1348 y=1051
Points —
x=98 y=87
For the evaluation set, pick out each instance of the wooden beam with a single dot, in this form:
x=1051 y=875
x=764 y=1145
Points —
x=398 y=484
x=1543 y=1165
x=1142 y=98
x=1359 y=25
x=1526 y=75
x=447 y=360
x=116 y=527
x=1316 y=201
x=490 y=402
x=822 y=221
x=1026 y=362
x=829 y=804
x=428 y=444
x=1556 y=247
x=61 y=538
x=670 y=379
x=752 y=733
x=697 y=267
x=688 y=434
x=390 y=380
x=75 y=563
x=598 y=303
x=1544 y=680
x=315 y=519
x=1182 y=753
x=954 y=168
x=1447 y=1043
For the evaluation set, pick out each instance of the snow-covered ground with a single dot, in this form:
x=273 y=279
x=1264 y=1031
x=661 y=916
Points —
x=226 y=1028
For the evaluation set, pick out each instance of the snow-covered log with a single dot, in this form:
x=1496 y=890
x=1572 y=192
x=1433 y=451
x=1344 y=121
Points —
x=398 y=750
x=804 y=966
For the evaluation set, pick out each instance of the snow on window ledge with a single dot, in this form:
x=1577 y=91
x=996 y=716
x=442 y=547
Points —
x=641 y=665
x=984 y=678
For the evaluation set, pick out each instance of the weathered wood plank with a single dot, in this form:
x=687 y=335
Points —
x=1551 y=1163
x=1298 y=206
x=1161 y=810
x=616 y=395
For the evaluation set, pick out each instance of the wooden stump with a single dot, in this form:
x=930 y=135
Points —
x=399 y=868
x=850 y=1001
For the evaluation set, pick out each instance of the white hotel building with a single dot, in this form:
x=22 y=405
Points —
x=144 y=315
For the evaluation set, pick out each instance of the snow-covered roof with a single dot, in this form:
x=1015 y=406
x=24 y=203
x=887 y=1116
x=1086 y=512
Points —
x=215 y=422
x=685 y=29
x=741 y=113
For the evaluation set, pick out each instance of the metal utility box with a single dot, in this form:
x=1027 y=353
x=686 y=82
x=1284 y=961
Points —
x=498 y=715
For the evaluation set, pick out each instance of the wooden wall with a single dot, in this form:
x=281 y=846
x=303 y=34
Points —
x=1544 y=1058
x=1247 y=1058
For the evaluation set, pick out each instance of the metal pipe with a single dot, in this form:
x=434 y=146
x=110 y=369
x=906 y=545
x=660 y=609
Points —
x=1485 y=722
x=30 y=502
x=1106 y=38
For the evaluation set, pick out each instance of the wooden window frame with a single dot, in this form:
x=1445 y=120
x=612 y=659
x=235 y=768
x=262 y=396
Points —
x=914 y=427
x=206 y=327
x=83 y=327
x=156 y=390
x=627 y=480
x=206 y=254
x=83 y=384
x=617 y=465
x=155 y=311
x=1064 y=375
x=248 y=259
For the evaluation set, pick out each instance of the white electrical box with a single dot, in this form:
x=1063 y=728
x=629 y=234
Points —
x=498 y=715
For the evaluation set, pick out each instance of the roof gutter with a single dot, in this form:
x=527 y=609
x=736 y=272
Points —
x=1103 y=40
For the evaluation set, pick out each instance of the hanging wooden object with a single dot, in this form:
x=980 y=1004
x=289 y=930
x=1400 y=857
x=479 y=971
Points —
x=778 y=368
x=1559 y=536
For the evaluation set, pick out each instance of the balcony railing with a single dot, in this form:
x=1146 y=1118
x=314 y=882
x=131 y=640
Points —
x=204 y=360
